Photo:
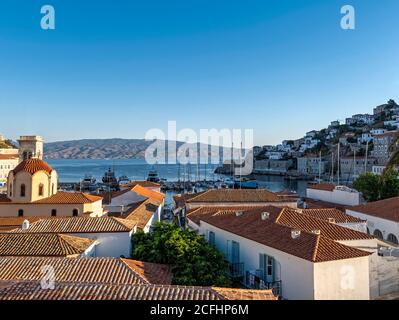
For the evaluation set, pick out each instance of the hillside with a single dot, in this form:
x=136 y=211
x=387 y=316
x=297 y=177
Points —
x=100 y=149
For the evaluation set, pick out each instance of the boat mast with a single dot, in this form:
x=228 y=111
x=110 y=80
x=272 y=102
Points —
x=338 y=171
x=367 y=151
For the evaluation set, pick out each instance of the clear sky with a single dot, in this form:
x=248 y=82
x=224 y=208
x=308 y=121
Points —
x=118 y=68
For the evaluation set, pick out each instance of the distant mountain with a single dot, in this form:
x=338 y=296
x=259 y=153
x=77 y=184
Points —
x=104 y=149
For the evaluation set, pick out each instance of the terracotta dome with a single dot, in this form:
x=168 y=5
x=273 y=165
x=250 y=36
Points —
x=32 y=166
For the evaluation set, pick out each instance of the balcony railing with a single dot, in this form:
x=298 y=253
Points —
x=255 y=281
x=236 y=270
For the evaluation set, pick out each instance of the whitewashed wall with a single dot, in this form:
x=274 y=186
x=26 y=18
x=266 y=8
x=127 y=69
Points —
x=336 y=196
x=373 y=222
x=110 y=244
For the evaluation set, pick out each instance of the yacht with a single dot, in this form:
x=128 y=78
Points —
x=153 y=176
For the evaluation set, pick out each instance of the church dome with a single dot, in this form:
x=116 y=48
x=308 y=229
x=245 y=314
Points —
x=32 y=166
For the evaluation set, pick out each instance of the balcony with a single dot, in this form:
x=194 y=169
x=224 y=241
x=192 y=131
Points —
x=255 y=281
x=236 y=270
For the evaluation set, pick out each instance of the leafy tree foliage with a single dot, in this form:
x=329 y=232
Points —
x=375 y=187
x=193 y=260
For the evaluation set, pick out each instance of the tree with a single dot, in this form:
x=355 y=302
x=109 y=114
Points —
x=389 y=184
x=193 y=260
x=368 y=184
x=375 y=187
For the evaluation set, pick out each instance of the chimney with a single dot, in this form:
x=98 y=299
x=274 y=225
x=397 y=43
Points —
x=331 y=220
x=295 y=234
x=25 y=225
x=265 y=215
x=316 y=231
x=239 y=213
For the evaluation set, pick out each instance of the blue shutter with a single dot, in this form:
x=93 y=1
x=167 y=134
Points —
x=235 y=252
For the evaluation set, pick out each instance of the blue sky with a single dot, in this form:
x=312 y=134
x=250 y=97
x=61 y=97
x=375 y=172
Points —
x=118 y=68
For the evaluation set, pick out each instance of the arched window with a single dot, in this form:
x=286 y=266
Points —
x=41 y=190
x=54 y=212
x=20 y=213
x=23 y=190
x=378 y=234
x=75 y=212
x=392 y=238
x=10 y=189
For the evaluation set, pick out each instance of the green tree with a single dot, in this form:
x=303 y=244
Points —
x=368 y=184
x=389 y=183
x=193 y=260
x=375 y=187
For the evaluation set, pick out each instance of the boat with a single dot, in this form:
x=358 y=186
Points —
x=245 y=183
x=153 y=176
x=110 y=180
x=88 y=183
x=123 y=180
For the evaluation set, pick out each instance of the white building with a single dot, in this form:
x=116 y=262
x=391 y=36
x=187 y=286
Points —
x=378 y=170
x=382 y=218
x=334 y=194
x=8 y=161
x=298 y=256
x=377 y=131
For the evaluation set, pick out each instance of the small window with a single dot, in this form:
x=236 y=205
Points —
x=378 y=234
x=75 y=212
x=41 y=190
x=23 y=190
x=211 y=238
x=392 y=238
x=20 y=213
x=54 y=212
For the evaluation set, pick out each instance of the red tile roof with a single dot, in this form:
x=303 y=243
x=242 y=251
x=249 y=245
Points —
x=141 y=215
x=79 y=225
x=322 y=186
x=148 y=193
x=76 y=270
x=154 y=273
x=62 y=197
x=275 y=232
x=386 y=209
x=328 y=213
x=82 y=291
x=33 y=244
x=32 y=166
x=236 y=195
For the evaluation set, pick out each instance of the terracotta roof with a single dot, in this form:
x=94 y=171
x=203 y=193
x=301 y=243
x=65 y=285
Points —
x=74 y=291
x=196 y=214
x=9 y=223
x=273 y=233
x=386 y=209
x=77 y=270
x=318 y=204
x=141 y=215
x=154 y=273
x=143 y=183
x=149 y=193
x=327 y=213
x=236 y=195
x=245 y=294
x=181 y=199
x=42 y=244
x=293 y=219
x=62 y=197
x=80 y=225
x=322 y=186
x=32 y=166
